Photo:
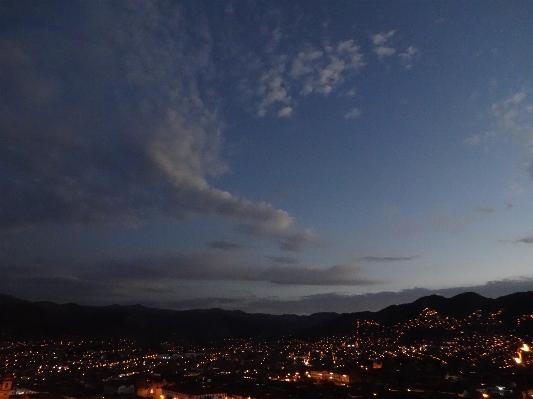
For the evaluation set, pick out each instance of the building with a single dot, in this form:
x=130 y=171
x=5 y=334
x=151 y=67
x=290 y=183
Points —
x=119 y=388
x=176 y=392
x=5 y=388
x=150 y=389
x=327 y=376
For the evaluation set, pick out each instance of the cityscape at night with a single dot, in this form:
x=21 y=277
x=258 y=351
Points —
x=477 y=354
x=266 y=199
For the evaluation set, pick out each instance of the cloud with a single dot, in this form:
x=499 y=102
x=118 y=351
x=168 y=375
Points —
x=274 y=89
x=384 y=51
x=314 y=69
x=524 y=240
x=485 y=210
x=295 y=241
x=478 y=139
x=335 y=275
x=385 y=259
x=286 y=111
x=119 y=127
x=381 y=44
x=381 y=39
x=123 y=279
x=351 y=93
x=287 y=239
x=224 y=245
x=284 y=260
x=408 y=56
x=332 y=69
x=353 y=113
x=530 y=169
x=284 y=70
x=303 y=64
x=156 y=282
x=440 y=219
x=283 y=192
x=514 y=116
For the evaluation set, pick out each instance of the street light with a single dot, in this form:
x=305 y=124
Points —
x=520 y=361
x=523 y=348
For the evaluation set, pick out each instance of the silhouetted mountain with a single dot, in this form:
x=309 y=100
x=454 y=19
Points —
x=459 y=306
x=39 y=320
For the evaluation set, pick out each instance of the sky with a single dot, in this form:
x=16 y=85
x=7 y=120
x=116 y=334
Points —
x=276 y=157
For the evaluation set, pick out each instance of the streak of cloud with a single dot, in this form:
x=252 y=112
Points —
x=523 y=240
x=107 y=277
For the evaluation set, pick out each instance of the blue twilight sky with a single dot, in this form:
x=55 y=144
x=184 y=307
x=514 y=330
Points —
x=268 y=156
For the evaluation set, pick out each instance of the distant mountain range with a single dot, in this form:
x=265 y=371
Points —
x=21 y=319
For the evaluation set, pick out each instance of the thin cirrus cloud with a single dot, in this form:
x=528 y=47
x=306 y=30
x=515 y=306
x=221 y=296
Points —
x=125 y=136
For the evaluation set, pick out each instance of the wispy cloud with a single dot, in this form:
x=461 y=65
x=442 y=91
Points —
x=106 y=277
x=382 y=46
x=285 y=112
x=523 y=240
x=274 y=89
x=288 y=239
x=485 y=210
x=314 y=69
x=478 y=139
x=514 y=115
x=408 y=56
x=353 y=113
x=280 y=74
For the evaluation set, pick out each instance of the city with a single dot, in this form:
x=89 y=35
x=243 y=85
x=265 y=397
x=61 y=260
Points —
x=467 y=357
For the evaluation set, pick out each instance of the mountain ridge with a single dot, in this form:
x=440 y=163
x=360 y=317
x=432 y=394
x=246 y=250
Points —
x=41 y=320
